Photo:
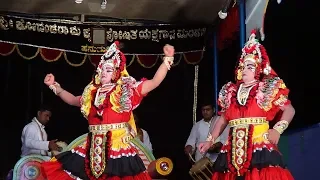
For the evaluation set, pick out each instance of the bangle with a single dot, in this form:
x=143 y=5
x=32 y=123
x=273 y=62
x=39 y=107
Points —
x=167 y=58
x=210 y=138
x=168 y=61
x=54 y=86
x=281 y=126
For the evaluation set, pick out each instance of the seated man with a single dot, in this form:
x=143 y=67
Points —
x=200 y=132
x=142 y=134
x=34 y=136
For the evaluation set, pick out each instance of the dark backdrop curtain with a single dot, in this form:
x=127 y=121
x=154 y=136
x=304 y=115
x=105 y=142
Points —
x=281 y=43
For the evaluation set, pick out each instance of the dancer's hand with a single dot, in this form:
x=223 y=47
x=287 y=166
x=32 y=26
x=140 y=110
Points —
x=49 y=79
x=273 y=136
x=188 y=150
x=53 y=146
x=168 y=50
x=204 y=146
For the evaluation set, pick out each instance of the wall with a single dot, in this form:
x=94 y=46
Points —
x=301 y=149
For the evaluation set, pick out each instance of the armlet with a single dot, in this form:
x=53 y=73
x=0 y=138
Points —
x=225 y=94
x=281 y=100
x=268 y=91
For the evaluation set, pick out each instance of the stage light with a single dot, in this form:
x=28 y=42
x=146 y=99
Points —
x=78 y=1
x=104 y=4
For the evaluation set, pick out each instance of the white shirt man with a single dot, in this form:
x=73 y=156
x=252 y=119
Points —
x=34 y=139
x=199 y=133
x=144 y=137
x=146 y=140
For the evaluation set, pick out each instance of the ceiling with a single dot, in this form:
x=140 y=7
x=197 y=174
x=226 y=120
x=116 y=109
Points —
x=168 y=11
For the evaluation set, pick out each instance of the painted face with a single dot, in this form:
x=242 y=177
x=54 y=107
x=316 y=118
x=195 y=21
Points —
x=249 y=71
x=106 y=74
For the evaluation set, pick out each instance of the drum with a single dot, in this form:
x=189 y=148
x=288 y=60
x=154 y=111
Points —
x=63 y=147
x=160 y=167
x=202 y=169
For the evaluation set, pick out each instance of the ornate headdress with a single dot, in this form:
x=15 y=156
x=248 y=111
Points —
x=255 y=52
x=114 y=58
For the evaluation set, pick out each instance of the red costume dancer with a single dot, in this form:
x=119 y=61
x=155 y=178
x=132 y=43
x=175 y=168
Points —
x=107 y=102
x=251 y=151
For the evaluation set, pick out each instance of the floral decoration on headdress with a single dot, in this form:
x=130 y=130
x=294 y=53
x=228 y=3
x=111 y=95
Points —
x=114 y=58
x=255 y=52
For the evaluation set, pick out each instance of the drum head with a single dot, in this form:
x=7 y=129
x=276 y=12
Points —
x=63 y=147
x=203 y=163
x=202 y=169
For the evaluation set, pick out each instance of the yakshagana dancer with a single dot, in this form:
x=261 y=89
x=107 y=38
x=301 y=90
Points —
x=248 y=106
x=107 y=102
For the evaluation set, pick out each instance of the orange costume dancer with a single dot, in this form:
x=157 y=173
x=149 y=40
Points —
x=107 y=102
x=248 y=106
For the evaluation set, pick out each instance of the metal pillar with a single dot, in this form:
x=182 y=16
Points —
x=242 y=16
x=215 y=69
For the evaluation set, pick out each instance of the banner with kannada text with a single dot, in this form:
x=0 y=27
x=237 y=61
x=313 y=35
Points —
x=72 y=36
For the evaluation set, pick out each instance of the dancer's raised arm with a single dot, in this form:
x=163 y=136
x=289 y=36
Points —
x=161 y=73
x=63 y=94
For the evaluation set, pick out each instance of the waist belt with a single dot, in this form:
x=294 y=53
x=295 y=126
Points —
x=245 y=121
x=107 y=127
